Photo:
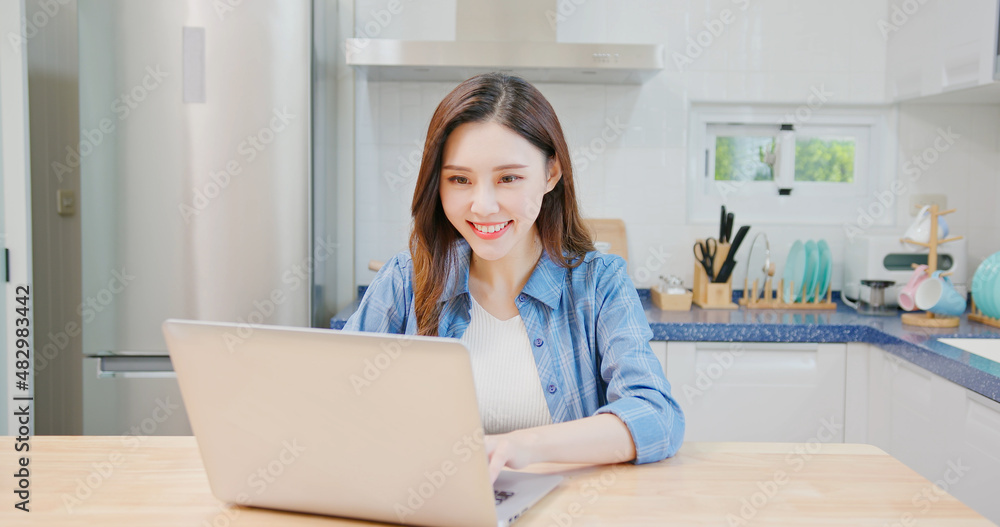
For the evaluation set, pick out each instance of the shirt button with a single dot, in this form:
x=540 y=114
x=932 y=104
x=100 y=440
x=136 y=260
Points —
x=538 y=343
x=552 y=388
x=521 y=298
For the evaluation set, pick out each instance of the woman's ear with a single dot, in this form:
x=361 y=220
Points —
x=555 y=173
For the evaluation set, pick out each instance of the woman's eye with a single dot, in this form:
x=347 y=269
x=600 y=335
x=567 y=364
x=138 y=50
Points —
x=509 y=178
x=461 y=180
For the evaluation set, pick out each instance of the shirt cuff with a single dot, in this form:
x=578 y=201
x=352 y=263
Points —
x=650 y=430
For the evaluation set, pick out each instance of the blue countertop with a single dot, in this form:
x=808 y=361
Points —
x=919 y=345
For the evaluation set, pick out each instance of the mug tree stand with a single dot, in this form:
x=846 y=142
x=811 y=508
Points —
x=928 y=319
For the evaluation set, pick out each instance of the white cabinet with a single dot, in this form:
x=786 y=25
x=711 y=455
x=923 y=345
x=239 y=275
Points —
x=906 y=406
x=936 y=47
x=947 y=433
x=856 y=392
x=734 y=391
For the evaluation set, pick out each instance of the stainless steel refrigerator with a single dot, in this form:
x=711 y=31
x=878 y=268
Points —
x=195 y=198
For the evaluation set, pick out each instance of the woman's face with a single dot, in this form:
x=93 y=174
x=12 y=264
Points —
x=492 y=185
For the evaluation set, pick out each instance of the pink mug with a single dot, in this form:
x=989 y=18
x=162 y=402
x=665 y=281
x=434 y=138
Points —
x=907 y=295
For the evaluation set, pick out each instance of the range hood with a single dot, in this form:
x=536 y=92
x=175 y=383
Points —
x=517 y=36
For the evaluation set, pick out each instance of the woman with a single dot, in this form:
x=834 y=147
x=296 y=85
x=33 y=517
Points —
x=499 y=257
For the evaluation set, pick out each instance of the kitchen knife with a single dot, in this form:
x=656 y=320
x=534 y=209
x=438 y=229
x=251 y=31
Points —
x=727 y=267
x=722 y=226
x=729 y=227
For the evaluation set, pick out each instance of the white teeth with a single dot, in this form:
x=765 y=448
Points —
x=490 y=229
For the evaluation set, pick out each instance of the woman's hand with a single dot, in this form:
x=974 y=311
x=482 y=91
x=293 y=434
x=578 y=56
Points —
x=597 y=439
x=514 y=449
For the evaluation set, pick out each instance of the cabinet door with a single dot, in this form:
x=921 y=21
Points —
x=974 y=460
x=732 y=391
x=906 y=413
x=945 y=432
x=968 y=42
x=935 y=47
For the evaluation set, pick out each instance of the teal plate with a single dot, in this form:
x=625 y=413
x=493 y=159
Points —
x=825 y=267
x=794 y=271
x=983 y=291
x=812 y=269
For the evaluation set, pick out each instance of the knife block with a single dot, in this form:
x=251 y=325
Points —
x=709 y=295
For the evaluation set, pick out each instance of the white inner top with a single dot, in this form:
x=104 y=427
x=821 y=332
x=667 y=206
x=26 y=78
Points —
x=508 y=389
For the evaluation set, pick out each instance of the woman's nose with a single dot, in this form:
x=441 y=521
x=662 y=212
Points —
x=484 y=201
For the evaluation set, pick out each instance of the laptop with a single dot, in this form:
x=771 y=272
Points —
x=359 y=425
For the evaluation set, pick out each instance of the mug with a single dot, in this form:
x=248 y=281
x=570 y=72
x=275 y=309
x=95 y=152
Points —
x=938 y=295
x=907 y=295
x=920 y=230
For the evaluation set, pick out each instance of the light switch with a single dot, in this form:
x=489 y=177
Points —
x=65 y=202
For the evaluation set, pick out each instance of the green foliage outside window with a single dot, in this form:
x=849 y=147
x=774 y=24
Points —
x=830 y=160
x=818 y=160
x=738 y=158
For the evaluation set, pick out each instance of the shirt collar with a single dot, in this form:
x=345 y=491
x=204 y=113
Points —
x=545 y=284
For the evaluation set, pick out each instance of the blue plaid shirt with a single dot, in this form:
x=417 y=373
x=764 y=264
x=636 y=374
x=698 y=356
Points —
x=569 y=314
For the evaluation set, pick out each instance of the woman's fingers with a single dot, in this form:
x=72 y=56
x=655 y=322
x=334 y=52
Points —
x=498 y=456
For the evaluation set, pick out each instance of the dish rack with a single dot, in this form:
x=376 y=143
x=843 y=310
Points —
x=772 y=297
x=928 y=319
x=977 y=316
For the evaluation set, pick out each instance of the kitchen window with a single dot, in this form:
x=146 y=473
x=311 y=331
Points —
x=773 y=167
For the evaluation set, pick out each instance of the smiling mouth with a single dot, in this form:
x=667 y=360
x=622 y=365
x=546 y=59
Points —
x=491 y=228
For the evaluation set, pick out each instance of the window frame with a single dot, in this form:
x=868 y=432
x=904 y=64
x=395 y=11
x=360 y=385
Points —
x=809 y=202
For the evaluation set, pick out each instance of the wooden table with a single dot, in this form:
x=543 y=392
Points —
x=153 y=481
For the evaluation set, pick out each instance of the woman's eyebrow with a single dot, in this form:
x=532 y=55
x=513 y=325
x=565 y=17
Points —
x=495 y=169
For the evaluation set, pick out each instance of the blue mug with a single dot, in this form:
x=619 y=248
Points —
x=938 y=295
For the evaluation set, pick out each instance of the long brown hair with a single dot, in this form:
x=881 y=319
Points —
x=511 y=102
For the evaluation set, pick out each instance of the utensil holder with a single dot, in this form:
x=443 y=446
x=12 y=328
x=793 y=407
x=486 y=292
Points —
x=710 y=295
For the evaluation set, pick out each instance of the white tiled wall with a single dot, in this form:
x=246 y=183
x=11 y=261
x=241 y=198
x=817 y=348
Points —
x=968 y=172
x=774 y=51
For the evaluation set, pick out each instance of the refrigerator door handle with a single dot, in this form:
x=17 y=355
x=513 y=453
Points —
x=140 y=367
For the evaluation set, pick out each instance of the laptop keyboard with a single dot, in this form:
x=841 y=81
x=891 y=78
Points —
x=501 y=495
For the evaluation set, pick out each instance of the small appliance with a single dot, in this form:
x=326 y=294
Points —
x=885 y=257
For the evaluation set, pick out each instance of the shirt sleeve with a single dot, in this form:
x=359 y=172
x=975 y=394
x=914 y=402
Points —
x=385 y=306
x=638 y=392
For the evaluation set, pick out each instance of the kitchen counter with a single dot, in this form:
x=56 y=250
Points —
x=917 y=345
x=161 y=481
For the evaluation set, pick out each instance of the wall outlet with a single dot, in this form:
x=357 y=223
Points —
x=917 y=202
